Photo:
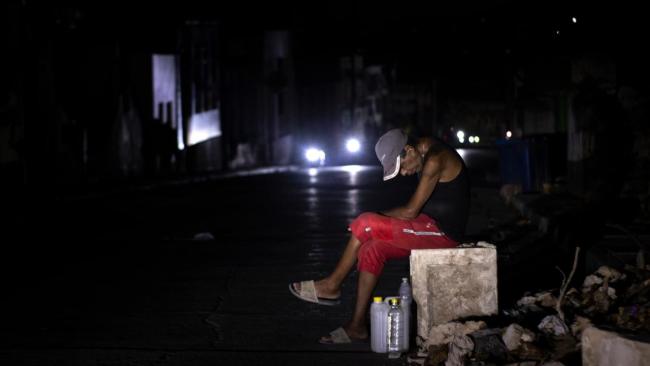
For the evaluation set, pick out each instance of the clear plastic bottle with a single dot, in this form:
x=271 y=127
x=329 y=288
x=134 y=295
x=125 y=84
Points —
x=378 y=320
x=406 y=296
x=405 y=289
x=395 y=329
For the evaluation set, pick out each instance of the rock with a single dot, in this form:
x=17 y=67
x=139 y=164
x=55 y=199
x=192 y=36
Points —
x=484 y=244
x=444 y=333
x=610 y=274
x=562 y=346
x=529 y=351
x=602 y=299
x=591 y=280
x=579 y=325
x=459 y=347
x=480 y=244
x=514 y=335
x=604 y=348
x=546 y=299
x=527 y=300
x=488 y=346
x=528 y=304
x=553 y=325
x=437 y=355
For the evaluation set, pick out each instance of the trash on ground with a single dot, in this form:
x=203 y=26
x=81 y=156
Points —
x=612 y=299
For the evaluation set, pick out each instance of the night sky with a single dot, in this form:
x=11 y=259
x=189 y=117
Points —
x=425 y=33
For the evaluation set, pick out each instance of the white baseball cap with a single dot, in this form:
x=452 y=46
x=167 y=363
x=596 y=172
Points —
x=388 y=150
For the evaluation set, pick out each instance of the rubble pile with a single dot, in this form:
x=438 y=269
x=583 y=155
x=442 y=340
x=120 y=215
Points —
x=534 y=332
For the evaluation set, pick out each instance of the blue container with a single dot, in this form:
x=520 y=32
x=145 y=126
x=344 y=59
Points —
x=532 y=161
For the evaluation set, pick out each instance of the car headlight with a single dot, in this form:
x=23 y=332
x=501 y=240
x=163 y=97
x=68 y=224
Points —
x=353 y=145
x=313 y=155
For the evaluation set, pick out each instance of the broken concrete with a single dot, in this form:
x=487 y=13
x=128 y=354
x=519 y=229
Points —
x=515 y=334
x=443 y=334
x=552 y=324
x=459 y=348
x=450 y=284
x=604 y=348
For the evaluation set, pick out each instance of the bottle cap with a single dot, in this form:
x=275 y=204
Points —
x=377 y=299
x=394 y=301
x=405 y=279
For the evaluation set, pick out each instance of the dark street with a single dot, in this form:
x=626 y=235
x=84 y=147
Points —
x=175 y=179
x=120 y=279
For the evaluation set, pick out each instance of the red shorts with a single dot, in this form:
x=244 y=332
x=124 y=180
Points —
x=383 y=237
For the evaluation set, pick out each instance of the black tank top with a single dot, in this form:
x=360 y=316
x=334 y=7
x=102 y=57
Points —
x=449 y=204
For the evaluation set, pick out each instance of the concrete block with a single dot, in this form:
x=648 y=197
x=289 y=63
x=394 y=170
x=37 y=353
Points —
x=453 y=283
x=604 y=348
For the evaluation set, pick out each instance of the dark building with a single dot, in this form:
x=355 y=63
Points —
x=91 y=93
x=259 y=103
x=93 y=96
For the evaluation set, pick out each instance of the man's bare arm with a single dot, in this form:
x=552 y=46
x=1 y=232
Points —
x=428 y=181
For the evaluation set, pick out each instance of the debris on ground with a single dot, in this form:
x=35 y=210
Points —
x=444 y=333
x=459 y=347
x=515 y=334
x=480 y=244
x=553 y=325
x=536 y=333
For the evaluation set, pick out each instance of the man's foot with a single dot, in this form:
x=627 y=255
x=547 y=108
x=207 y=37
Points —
x=324 y=289
x=350 y=334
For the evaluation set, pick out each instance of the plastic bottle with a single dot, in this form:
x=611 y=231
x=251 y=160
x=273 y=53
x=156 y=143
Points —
x=395 y=329
x=405 y=289
x=378 y=320
x=406 y=297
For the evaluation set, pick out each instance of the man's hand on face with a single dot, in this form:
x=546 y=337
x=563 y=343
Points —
x=410 y=161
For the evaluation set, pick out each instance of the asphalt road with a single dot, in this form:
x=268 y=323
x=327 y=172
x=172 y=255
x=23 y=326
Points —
x=195 y=273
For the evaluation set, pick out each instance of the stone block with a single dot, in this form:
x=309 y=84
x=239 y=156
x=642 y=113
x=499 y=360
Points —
x=605 y=348
x=453 y=283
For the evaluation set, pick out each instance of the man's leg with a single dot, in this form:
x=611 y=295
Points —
x=367 y=226
x=372 y=256
x=358 y=327
x=367 y=232
x=330 y=286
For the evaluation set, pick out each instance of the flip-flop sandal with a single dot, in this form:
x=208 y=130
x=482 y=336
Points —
x=308 y=293
x=340 y=336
